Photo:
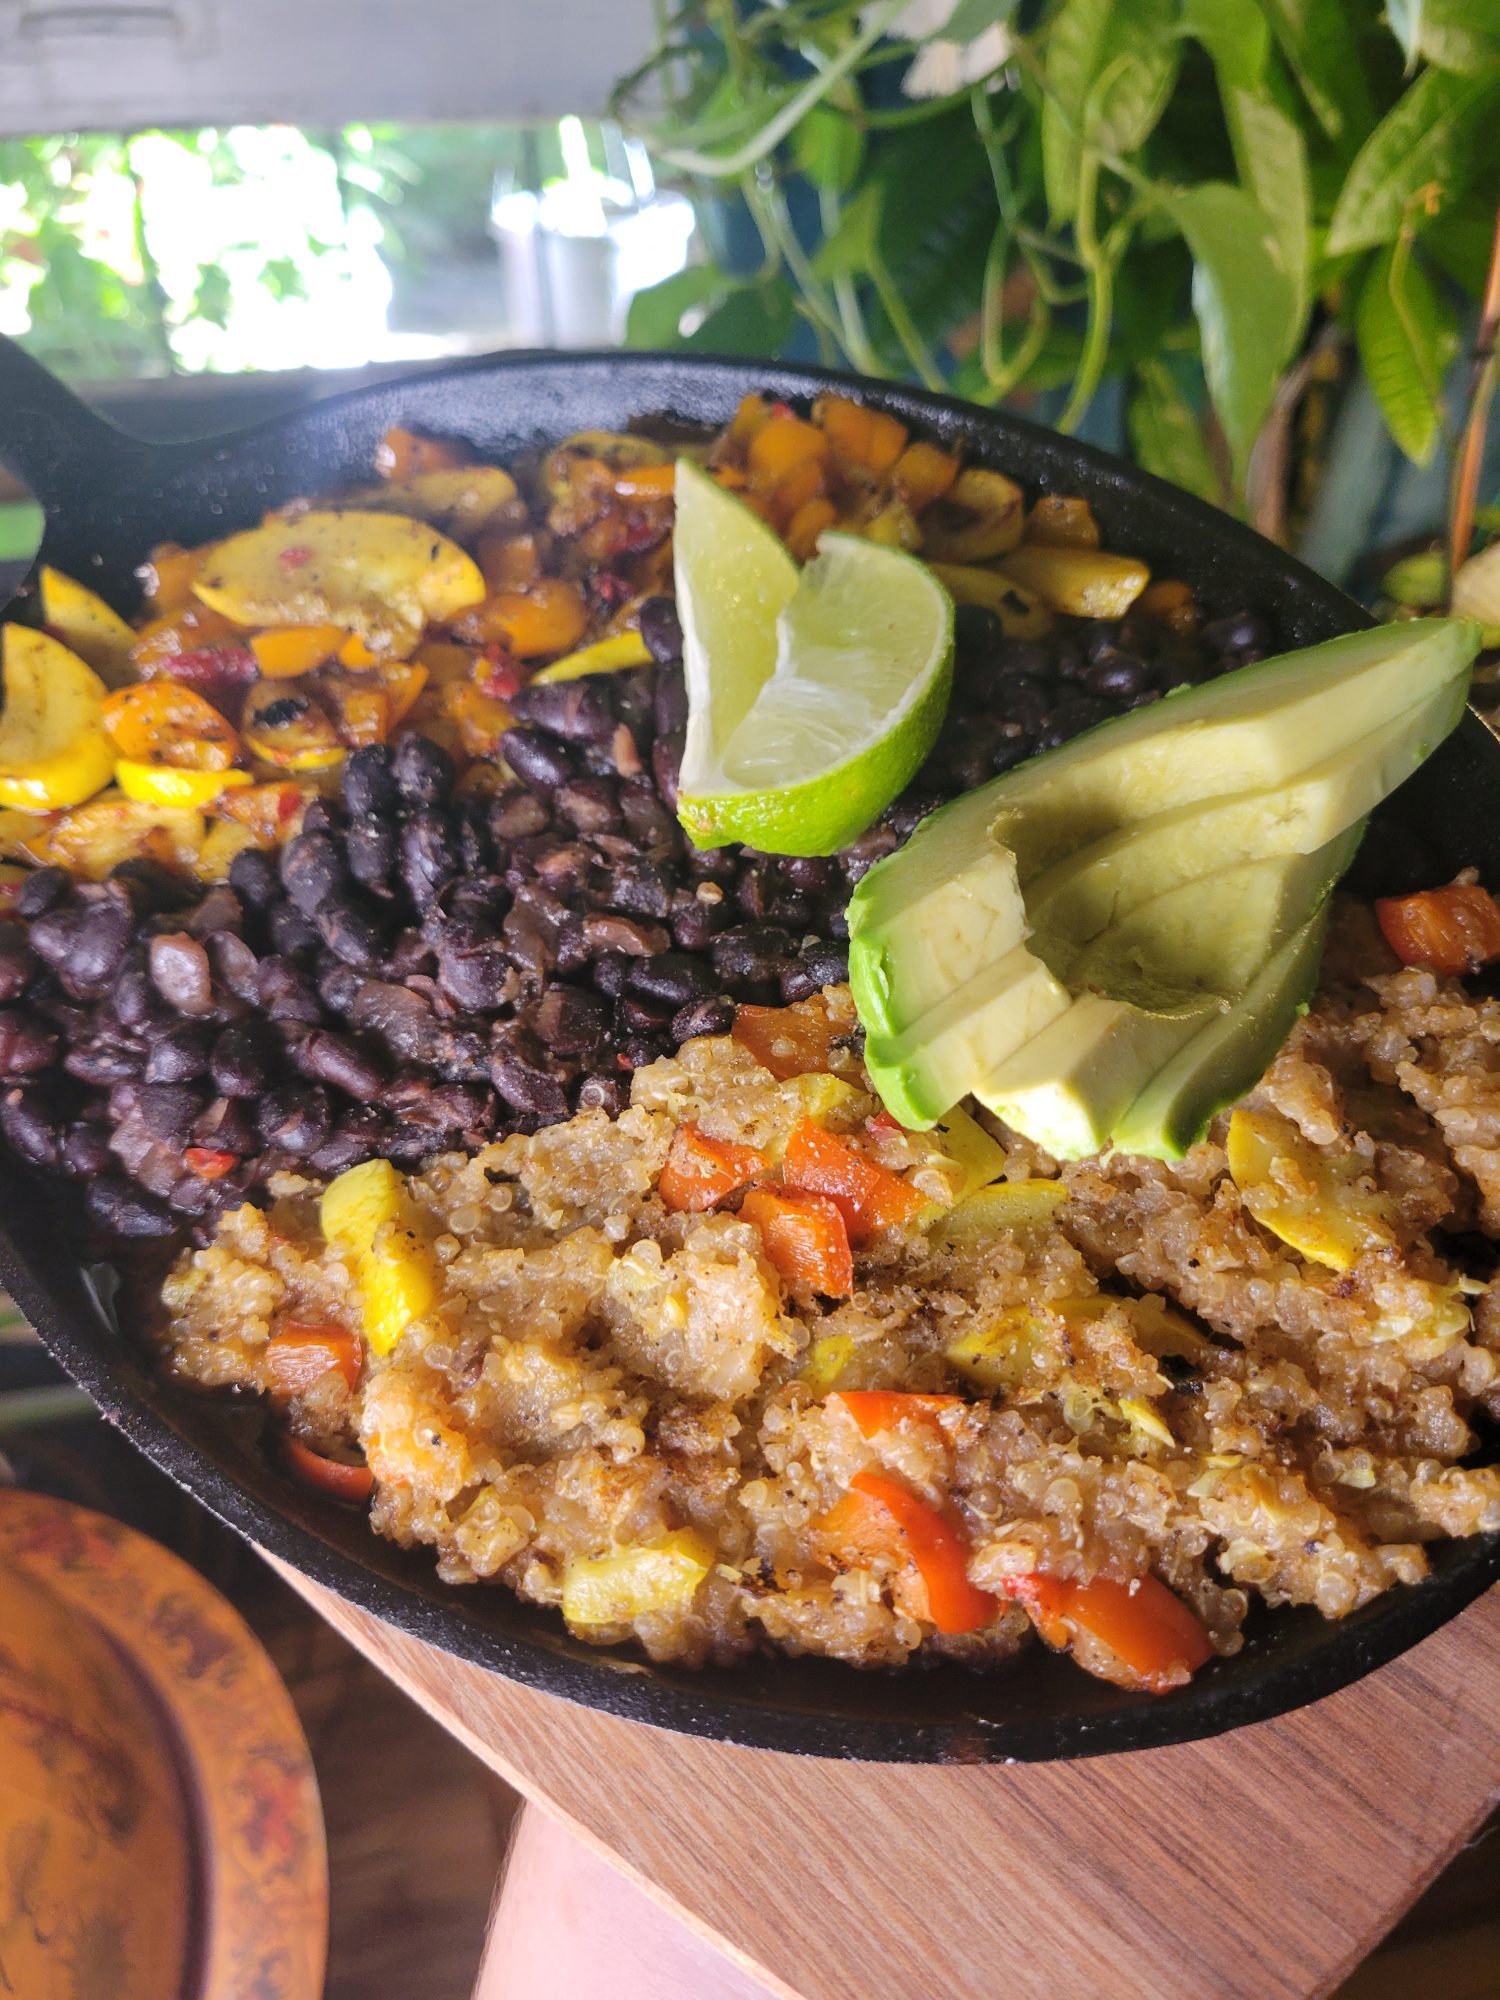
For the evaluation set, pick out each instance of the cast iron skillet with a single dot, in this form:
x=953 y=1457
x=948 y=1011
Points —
x=109 y=497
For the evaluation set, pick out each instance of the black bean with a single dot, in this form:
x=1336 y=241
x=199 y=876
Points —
x=515 y=814
x=977 y=632
x=367 y=784
x=817 y=876
x=312 y=869
x=51 y=936
x=180 y=972
x=476 y=850
x=179 y=1053
x=255 y=878
x=349 y=926
x=666 y=766
x=30 y=1120
x=134 y=999
x=104 y=1063
x=169 y=1111
x=670 y=706
x=796 y=983
x=147 y=887
x=293 y=932
x=695 y=924
x=341 y=1061
x=1116 y=676
x=711 y=1015
x=227 y=1127
x=578 y=711
x=1071 y=714
x=410 y=953
x=609 y=972
x=602 y=1093
x=872 y=846
x=590 y=804
x=752 y=951
x=640 y=1017
x=422 y=771
x=85 y=1151
x=478 y=981
x=220 y=914
x=828 y=962
x=242 y=1060
x=358 y=1135
x=661 y=630
x=192 y=1194
x=1235 y=633
x=637 y=886
x=236 y=969
x=323 y=815
x=286 y=992
x=537 y=760
x=16 y=962
x=671 y=978
x=571 y=1020
x=429 y=855
x=647 y=820
x=719 y=865
x=295 y=1117
x=526 y=1081
x=641 y=1048
x=42 y=891
x=625 y=936
x=98 y=949
x=123 y=1209
x=26 y=1045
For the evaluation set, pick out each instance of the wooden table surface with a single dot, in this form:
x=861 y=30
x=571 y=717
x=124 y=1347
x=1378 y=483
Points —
x=1266 y=1863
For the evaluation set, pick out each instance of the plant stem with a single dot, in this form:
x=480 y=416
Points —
x=729 y=166
x=905 y=327
x=854 y=335
x=1464 y=493
x=1101 y=277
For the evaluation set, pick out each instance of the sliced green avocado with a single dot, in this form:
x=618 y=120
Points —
x=1098 y=861
x=1227 y=1056
x=1171 y=969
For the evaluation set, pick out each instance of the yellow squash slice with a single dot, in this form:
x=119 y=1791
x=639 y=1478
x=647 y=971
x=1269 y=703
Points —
x=382 y=576
x=53 y=749
x=652 y=1576
x=1306 y=1196
x=82 y=620
x=465 y=501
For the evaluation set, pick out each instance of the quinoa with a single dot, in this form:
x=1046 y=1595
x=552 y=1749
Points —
x=598 y=1373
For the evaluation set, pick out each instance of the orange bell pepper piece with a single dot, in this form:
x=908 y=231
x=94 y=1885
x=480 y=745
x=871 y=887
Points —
x=646 y=482
x=162 y=722
x=787 y=1041
x=168 y=577
x=209 y=1163
x=805 y=526
x=509 y=562
x=1455 y=930
x=923 y=474
x=302 y=1352
x=782 y=445
x=805 y=1240
x=187 y=628
x=1145 y=1625
x=356 y=655
x=877 y=1410
x=880 y=1516
x=865 y=437
x=404 y=454
x=869 y=1196
x=290 y=650
x=700 y=1172
x=550 y=617
x=337 y=1477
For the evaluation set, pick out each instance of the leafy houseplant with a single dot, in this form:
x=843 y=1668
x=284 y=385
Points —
x=1223 y=204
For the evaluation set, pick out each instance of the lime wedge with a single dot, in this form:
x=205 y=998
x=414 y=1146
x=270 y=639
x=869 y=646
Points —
x=812 y=697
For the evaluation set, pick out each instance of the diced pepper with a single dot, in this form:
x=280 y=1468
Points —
x=338 y=1478
x=356 y=655
x=359 y=708
x=1171 y=601
x=805 y=1240
x=284 y=725
x=270 y=812
x=882 y=1517
x=509 y=562
x=301 y=1352
x=163 y=722
x=188 y=629
x=289 y=650
x=167 y=578
x=807 y=524
x=478 y=719
x=782 y=445
x=662 y=1575
x=223 y=841
x=877 y=1410
x=365 y=1214
x=1453 y=930
x=753 y=414
x=864 y=437
x=405 y=454
x=646 y=482
x=966 y=1142
x=995 y=1356
x=163 y=785
x=801 y=486
x=551 y=617
x=606 y=656
x=445 y=662
x=869 y=1196
x=700 y=1172
x=788 y=1041
x=209 y=1163
x=1143 y=1623
x=53 y=747
x=923 y=474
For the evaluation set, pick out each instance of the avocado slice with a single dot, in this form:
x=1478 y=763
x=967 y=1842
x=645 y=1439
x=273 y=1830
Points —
x=1054 y=939
x=1226 y=1056
x=1171 y=969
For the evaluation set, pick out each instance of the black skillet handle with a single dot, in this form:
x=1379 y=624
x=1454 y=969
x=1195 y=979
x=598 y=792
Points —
x=52 y=441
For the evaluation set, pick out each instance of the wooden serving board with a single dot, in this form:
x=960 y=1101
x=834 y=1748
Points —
x=1262 y=1864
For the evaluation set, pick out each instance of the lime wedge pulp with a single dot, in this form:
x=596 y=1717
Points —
x=812 y=697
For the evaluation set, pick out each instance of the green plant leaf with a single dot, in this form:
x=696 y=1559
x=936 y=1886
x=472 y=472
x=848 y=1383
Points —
x=829 y=147
x=1462 y=35
x=755 y=321
x=1272 y=162
x=1406 y=340
x=1426 y=140
x=970 y=18
x=1321 y=47
x=1108 y=71
x=853 y=246
x=655 y=315
x=935 y=249
x=1244 y=302
x=1236 y=36
x=1166 y=433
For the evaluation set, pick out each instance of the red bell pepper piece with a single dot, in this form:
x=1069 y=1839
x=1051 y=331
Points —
x=301 y=1352
x=701 y=1171
x=788 y=1041
x=1145 y=1625
x=869 y=1196
x=805 y=1240
x=876 y=1410
x=1454 y=930
x=340 y=1480
x=880 y=1516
